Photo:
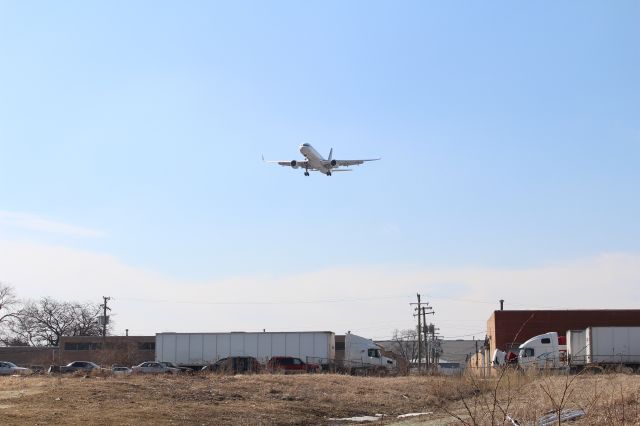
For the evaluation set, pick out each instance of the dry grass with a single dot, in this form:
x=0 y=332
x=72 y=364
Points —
x=310 y=399
x=605 y=398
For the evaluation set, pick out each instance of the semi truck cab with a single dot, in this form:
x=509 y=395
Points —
x=544 y=351
x=363 y=353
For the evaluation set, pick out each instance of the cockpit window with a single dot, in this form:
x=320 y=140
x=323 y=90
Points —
x=305 y=144
x=526 y=352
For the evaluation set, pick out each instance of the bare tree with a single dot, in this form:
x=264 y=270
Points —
x=405 y=344
x=43 y=322
x=9 y=305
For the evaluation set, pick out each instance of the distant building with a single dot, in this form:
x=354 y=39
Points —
x=450 y=368
x=506 y=330
x=121 y=350
x=27 y=356
x=453 y=351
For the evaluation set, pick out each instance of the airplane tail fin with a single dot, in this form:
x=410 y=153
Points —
x=330 y=154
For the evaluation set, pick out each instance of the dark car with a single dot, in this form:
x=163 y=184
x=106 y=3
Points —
x=236 y=365
x=72 y=367
x=289 y=364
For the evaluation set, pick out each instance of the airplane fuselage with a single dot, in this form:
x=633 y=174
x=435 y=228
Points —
x=315 y=159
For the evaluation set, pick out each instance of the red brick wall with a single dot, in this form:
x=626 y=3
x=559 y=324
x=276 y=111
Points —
x=505 y=327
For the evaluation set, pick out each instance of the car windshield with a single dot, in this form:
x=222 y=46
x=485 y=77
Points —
x=9 y=364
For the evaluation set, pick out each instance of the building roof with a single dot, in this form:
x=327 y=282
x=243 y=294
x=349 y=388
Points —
x=452 y=350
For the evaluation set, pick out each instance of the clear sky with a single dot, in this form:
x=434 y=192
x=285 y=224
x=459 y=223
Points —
x=131 y=136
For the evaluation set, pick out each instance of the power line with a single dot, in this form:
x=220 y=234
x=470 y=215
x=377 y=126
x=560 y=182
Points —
x=466 y=335
x=292 y=302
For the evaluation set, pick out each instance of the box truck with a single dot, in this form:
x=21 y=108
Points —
x=601 y=346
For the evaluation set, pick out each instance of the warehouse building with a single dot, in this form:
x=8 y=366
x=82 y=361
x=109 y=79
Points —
x=30 y=356
x=506 y=330
x=121 y=350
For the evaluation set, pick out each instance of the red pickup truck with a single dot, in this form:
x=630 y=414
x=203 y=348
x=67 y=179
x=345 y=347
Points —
x=288 y=364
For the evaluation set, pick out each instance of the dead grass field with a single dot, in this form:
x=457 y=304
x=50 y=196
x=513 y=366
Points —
x=312 y=399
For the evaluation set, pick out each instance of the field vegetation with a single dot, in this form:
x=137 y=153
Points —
x=316 y=399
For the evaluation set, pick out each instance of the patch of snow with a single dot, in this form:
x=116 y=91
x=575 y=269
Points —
x=403 y=416
x=359 y=419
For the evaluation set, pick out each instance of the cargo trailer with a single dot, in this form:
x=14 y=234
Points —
x=200 y=349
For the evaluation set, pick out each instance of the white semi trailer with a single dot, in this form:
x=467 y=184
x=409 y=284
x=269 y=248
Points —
x=200 y=349
x=602 y=346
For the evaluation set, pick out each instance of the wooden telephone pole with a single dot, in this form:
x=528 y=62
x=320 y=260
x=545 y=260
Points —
x=105 y=318
x=419 y=332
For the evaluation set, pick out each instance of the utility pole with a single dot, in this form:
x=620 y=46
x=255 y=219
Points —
x=436 y=345
x=419 y=333
x=105 y=318
x=426 y=330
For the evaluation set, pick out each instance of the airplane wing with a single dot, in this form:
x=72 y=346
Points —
x=345 y=163
x=303 y=164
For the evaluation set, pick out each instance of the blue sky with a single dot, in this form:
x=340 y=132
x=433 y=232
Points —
x=510 y=136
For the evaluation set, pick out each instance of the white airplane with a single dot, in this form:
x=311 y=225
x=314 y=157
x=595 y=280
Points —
x=315 y=161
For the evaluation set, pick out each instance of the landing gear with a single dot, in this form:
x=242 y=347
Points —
x=306 y=173
x=328 y=173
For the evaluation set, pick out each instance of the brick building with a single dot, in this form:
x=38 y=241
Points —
x=506 y=330
x=27 y=356
x=121 y=350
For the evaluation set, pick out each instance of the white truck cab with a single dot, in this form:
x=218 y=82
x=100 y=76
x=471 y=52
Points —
x=363 y=353
x=543 y=351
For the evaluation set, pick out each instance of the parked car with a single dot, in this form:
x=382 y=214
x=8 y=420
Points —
x=120 y=371
x=174 y=365
x=288 y=364
x=236 y=365
x=151 y=367
x=72 y=367
x=9 y=368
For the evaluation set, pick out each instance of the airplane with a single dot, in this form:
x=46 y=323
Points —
x=316 y=162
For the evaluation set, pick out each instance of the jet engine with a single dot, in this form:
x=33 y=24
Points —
x=333 y=163
x=294 y=164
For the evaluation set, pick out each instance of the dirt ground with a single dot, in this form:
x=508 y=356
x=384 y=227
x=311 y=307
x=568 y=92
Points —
x=309 y=399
